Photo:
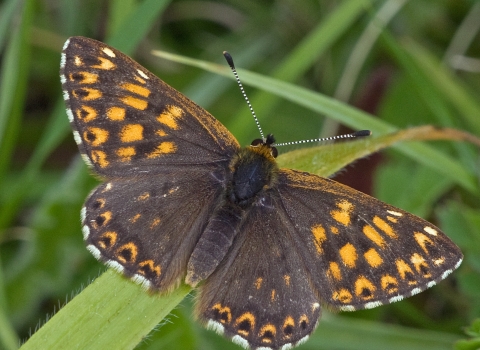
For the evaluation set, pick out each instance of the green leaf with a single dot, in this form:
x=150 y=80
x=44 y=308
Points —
x=111 y=313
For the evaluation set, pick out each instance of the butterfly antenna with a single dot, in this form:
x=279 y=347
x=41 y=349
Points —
x=360 y=133
x=229 y=59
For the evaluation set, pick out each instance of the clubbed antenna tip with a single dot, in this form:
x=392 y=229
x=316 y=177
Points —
x=229 y=59
x=361 y=133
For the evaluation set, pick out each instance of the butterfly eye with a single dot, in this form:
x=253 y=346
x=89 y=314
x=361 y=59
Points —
x=256 y=142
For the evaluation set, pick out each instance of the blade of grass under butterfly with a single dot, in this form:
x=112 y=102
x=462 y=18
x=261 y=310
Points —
x=111 y=313
x=344 y=113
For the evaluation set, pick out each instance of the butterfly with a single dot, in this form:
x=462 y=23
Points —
x=183 y=202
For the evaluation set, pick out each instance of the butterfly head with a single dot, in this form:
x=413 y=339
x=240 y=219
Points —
x=265 y=147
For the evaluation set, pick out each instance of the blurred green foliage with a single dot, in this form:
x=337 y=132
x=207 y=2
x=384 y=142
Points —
x=406 y=62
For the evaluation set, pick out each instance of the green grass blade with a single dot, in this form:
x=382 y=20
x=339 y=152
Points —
x=447 y=85
x=13 y=85
x=136 y=26
x=304 y=55
x=335 y=333
x=111 y=313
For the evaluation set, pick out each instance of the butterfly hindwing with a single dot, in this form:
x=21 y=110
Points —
x=127 y=121
x=165 y=232
x=363 y=252
x=259 y=295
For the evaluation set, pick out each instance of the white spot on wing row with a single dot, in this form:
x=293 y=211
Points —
x=373 y=304
x=240 y=341
x=142 y=281
x=76 y=137
x=94 y=250
x=86 y=233
x=70 y=115
x=63 y=60
x=142 y=74
x=108 y=52
x=395 y=213
x=347 y=308
x=83 y=214
x=215 y=326
x=430 y=230
x=66 y=45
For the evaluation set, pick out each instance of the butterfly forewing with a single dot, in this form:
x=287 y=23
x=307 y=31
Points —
x=363 y=252
x=127 y=121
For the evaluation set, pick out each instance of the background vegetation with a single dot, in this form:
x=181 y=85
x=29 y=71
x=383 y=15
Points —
x=408 y=63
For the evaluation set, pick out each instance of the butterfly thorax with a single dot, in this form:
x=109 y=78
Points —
x=252 y=170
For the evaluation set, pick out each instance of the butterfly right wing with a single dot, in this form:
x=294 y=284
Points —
x=360 y=251
x=147 y=228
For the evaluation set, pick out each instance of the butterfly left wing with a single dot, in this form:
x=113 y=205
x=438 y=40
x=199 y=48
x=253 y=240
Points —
x=361 y=252
x=126 y=121
x=260 y=295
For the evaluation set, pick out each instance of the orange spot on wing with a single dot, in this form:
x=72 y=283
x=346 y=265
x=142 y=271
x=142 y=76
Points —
x=364 y=288
x=150 y=265
x=267 y=333
x=127 y=253
x=420 y=265
x=116 y=113
x=343 y=296
x=100 y=158
x=224 y=314
x=134 y=102
x=131 y=133
x=86 y=113
x=389 y=284
x=258 y=282
x=107 y=240
x=373 y=258
x=104 y=64
x=163 y=148
x=343 y=215
x=126 y=153
x=348 y=253
x=373 y=235
x=319 y=236
x=83 y=77
x=404 y=270
x=334 y=271
x=95 y=136
x=422 y=241
x=77 y=61
x=135 y=218
x=87 y=94
x=136 y=89
x=245 y=323
x=385 y=227
x=170 y=116
x=154 y=223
